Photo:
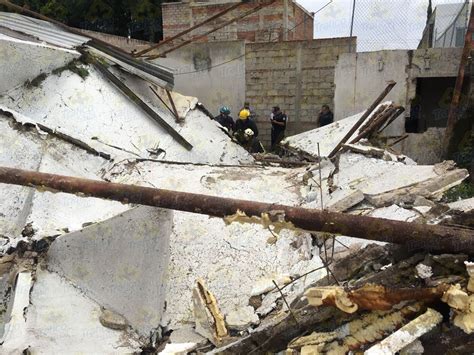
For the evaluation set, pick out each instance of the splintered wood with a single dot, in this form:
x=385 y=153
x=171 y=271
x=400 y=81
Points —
x=370 y=297
x=356 y=334
x=209 y=319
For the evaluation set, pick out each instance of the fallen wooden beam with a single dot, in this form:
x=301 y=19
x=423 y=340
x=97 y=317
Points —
x=362 y=119
x=414 y=235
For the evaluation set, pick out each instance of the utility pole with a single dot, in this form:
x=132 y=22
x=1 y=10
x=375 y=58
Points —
x=352 y=24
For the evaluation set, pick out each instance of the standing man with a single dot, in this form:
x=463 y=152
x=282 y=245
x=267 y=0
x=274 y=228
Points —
x=252 y=116
x=225 y=120
x=325 y=116
x=278 y=120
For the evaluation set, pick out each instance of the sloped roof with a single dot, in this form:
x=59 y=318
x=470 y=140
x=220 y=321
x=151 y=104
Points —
x=42 y=30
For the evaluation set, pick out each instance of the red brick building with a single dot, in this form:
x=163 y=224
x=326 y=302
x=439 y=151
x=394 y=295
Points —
x=283 y=20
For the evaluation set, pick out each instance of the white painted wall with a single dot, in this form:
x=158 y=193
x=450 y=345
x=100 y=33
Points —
x=361 y=77
x=223 y=84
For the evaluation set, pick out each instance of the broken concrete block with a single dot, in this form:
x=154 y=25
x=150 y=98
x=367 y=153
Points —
x=178 y=349
x=187 y=334
x=343 y=199
x=266 y=285
x=242 y=318
x=120 y=263
x=113 y=320
x=424 y=271
x=462 y=205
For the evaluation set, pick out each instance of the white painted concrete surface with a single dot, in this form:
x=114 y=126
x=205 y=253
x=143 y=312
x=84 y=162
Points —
x=121 y=263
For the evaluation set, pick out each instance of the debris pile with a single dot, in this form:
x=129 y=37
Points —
x=346 y=247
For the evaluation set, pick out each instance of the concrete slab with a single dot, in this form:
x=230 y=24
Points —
x=50 y=316
x=327 y=137
x=120 y=263
x=41 y=59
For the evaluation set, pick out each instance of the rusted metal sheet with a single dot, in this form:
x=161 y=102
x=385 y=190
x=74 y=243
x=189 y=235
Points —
x=414 y=235
x=361 y=120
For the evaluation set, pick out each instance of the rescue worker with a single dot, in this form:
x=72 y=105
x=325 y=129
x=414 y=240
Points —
x=246 y=132
x=325 y=116
x=225 y=120
x=278 y=120
x=252 y=116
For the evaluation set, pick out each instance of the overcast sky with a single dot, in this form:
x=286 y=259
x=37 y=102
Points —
x=378 y=24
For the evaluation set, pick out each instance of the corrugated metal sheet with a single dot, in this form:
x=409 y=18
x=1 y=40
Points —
x=54 y=35
x=42 y=30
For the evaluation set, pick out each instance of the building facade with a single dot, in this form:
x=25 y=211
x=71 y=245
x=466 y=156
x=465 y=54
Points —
x=282 y=20
x=447 y=26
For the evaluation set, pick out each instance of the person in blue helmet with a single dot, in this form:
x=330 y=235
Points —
x=225 y=120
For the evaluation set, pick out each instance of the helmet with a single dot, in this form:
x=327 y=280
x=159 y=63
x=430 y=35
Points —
x=225 y=109
x=244 y=114
x=248 y=132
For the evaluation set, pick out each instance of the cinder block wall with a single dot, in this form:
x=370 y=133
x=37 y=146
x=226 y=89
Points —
x=298 y=76
x=265 y=25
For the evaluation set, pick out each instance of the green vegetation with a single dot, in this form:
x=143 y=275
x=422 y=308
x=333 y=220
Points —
x=36 y=82
x=73 y=66
x=460 y=192
x=140 y=19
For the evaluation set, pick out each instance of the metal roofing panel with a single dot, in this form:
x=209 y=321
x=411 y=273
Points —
x=42 y=30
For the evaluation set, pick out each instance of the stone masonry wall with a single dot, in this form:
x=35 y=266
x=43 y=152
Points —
x=262 y=26
x=298 y=76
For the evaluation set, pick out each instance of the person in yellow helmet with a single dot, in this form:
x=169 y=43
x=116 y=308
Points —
x=245 y=122
x=246 y=132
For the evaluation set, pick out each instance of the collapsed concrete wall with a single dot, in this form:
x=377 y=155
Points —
x=121 y=263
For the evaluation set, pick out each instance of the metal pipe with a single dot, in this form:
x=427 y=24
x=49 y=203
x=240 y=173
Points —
x=352 y=25
x=415 y=235
x=182 y=33
x=361 y=120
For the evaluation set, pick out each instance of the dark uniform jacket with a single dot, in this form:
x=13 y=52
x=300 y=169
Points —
x=226 y=121
x=326 y=118
x=242 y=125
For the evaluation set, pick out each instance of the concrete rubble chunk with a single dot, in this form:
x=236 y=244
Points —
x=242 y=318
x=266 y=285
x=187 y=334
x=178 y=348
x=113 y=320
x=327 y=136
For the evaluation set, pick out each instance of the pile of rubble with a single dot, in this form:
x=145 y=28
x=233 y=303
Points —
x=82 y=273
